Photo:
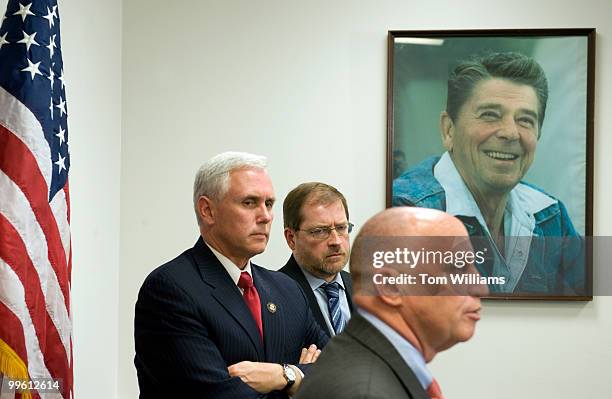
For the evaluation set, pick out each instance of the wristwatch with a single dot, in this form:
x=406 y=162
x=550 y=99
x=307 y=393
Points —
x=289 y=375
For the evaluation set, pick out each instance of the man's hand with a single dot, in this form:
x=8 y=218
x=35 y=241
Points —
x=262 y=377
x=310 y=354
x=266 y=377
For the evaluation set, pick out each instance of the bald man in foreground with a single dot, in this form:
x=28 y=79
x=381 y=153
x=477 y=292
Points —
x=409 y=308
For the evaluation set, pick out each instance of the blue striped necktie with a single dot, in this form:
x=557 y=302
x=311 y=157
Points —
x=333 y=304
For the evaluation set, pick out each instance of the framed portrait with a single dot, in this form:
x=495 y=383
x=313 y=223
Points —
x=496 y=128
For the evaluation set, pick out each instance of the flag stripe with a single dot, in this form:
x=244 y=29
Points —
x=17 y=118
x=13 y=298
x=21 y=217
x=14 y=338
x=60 y=212
x=13 y=252
x=67 y=194
x=20 y=167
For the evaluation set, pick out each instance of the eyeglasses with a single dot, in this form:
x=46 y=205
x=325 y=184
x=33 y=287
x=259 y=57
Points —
x=323 y=233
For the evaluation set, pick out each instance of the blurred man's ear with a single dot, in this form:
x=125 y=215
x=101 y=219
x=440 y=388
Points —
x=390 y=294
x=290 y=237
x=447 y=130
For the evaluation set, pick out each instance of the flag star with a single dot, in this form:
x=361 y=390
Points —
x=61 y=78
x=62 y=107
x=60 y=163
x=51 y=108
x=3 y=40
x=32 y=68
x=61 y=135
x=24 y=11
x=49 y=17
x=28 y=40
x=51 y=45
x=51 y=77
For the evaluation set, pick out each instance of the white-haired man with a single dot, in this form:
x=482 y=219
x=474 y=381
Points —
x=210 y=324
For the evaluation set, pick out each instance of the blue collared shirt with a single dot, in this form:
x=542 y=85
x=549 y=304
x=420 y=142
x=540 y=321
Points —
x=411 y=355
x=319 y=293
x=555 y=260
x=519 y=221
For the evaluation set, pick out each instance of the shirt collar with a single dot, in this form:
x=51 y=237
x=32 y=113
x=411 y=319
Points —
x=530 y=200
x=316 y=282
x=411 y=355
x=232 y=269
x=523 y=201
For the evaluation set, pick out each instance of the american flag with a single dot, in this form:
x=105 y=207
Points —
x=35 y=253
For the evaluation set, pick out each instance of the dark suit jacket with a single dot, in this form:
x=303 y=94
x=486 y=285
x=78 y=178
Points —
x=191 y=323
x=292 y=270
x=360 y=363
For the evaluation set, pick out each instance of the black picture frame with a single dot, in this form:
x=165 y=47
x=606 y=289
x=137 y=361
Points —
x=419 y=64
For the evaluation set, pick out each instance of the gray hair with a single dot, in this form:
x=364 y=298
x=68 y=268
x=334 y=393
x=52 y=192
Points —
x=515 y=67
x=212 y=179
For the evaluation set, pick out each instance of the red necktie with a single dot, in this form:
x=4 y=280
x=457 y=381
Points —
x=434 y=391
x=251 y=297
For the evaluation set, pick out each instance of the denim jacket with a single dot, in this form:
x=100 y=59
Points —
x=556 y=259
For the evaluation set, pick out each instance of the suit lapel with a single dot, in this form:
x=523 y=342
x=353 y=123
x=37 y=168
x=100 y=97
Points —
x=364 y=332
x=348 y=289
x=272 y=315
x=227 y=293
x=294 y=271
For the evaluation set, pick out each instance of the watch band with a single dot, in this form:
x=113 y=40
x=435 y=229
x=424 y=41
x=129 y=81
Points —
x=289 y=375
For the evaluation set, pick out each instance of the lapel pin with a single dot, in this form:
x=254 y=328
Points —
x=271 y=307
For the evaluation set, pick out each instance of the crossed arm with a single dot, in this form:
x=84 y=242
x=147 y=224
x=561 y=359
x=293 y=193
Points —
x=267 y=377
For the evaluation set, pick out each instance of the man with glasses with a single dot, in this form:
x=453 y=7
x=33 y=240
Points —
x=317 y=227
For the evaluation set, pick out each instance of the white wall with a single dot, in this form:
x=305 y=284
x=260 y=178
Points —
x=304 y=82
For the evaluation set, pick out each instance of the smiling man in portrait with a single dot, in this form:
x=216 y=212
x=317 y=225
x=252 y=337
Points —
x=490 y=129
